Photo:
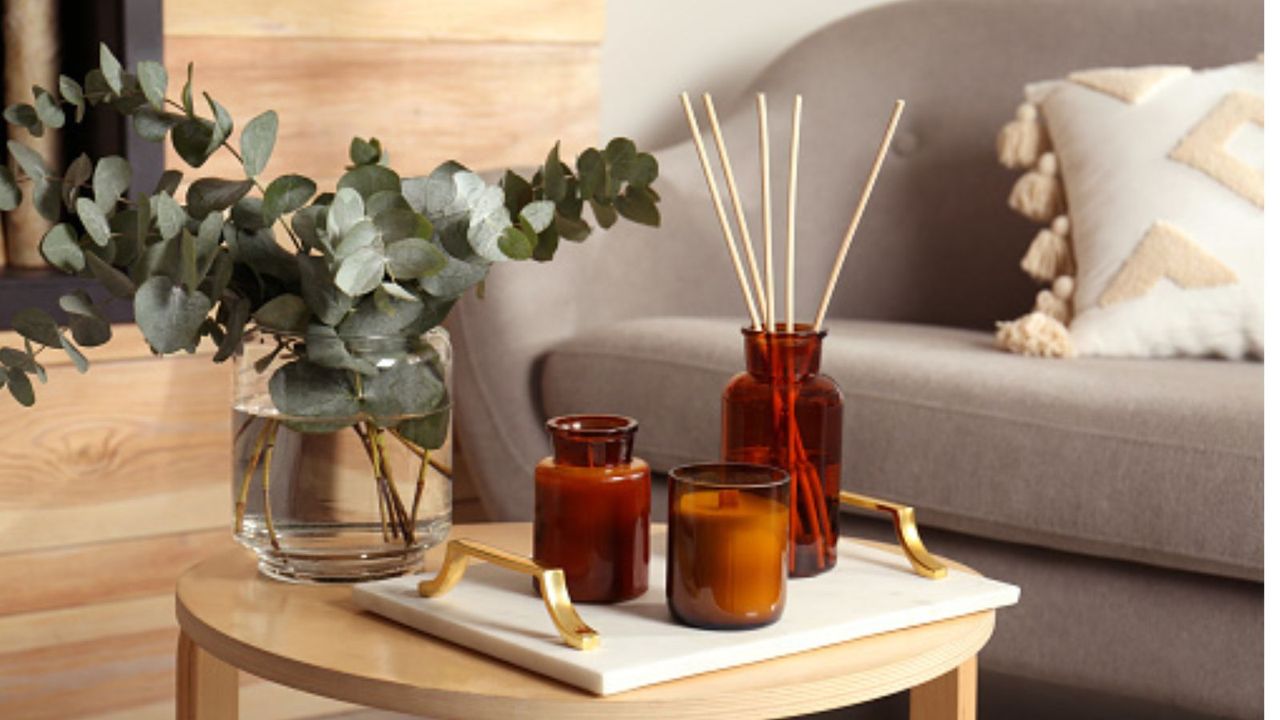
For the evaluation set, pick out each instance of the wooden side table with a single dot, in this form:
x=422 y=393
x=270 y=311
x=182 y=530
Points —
x=315 y=639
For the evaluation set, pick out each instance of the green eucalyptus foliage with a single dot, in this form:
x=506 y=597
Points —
x=380 y=255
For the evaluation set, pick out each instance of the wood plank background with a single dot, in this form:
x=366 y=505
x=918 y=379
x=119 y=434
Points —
x=118 y=480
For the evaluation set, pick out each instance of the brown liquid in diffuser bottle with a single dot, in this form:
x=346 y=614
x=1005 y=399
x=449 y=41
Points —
x=591 y=508
x=783 y=412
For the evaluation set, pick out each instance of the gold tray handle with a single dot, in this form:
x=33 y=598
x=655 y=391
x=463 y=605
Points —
x=904 y=521
x=555 y=594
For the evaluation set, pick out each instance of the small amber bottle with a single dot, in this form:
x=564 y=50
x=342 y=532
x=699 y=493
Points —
x=591 y=508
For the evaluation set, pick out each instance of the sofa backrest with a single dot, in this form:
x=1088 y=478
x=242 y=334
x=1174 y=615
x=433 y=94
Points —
x=938 y=243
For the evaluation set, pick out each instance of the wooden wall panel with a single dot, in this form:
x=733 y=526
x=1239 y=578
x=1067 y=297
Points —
x=545 y=21
x=484 y=105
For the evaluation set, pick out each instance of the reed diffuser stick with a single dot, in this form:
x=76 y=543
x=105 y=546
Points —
x=889 y=130
x=791 y=214
x=719 y=208
x=766 y=212
x=734 y=199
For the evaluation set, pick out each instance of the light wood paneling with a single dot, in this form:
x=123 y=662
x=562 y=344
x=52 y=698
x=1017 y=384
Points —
x=101 y=572
x=484 y=105
x=546 y=21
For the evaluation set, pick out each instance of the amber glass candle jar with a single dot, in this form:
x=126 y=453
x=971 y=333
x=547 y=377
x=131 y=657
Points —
x=727 y=544
x=591 y=508
x=783 y=412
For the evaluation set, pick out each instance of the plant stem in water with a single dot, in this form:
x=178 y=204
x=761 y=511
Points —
x=266 y=485
x=243 y=498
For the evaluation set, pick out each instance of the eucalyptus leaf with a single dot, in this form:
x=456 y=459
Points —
x=111 y=70
x=638 y=208
x=368 y=320
x=76 y=175
x=153 y=125
x=571 y=228
x=400 y=392
x=88 y=326
x=169 y=182
x=116 y=282
x=14 y=358
x=606 y=216
x=60 y=248
x=77 y=358
x=287 y=313
x=322 y=296
x=22 y=115
x=455 y=278
x=71 y=92
x=259 y=250
x=10 y=193
x=385 y=200
x=361 y=272
x=257 y=140
x=363 y=152
x=591 y=173
x=305 y=389
x=222 y=125
x=346 y=210
x=369 y=180
x=168 y=314
x=95 y=87
x=286 y=194
x=237 y=313
x=644 y=170
x=94 y=221
x=20 y=387
x=192 y=139
x=548 y=243
x=516 y=245
x=326 y=349
x=428 y=432
x=397 y=224
x=48 y=110
x=414 y=258
x=395 y=290
x=188 y=102
x=170 y=217
x=110 y=179
x=553 y=181
x=539 y=214
x=46 y=197
x=154 y=81
x=36 y=325
x=29 y=160
x=309 y=225
x=363 y=235
x=207 y=195
x=247 y=213
x=517 y=192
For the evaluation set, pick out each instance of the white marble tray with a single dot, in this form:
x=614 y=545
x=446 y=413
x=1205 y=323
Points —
x=494 y=611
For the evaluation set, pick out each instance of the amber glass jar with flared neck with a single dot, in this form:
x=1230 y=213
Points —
x=782 y=411
x=591 y=508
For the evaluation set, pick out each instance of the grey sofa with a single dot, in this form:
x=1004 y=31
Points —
x=1124 y=496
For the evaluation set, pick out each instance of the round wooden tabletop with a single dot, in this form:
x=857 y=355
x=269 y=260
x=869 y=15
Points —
x=315 y=639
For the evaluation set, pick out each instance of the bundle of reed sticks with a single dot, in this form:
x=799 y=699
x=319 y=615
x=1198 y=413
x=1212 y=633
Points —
x=809 y=496
x=761 y=306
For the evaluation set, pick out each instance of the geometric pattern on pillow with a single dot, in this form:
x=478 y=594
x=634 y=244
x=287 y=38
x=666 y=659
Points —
x=1166 y=252
x=1132 y=85
x=1205 y=147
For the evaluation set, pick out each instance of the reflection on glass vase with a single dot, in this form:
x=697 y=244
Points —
x=341 y=467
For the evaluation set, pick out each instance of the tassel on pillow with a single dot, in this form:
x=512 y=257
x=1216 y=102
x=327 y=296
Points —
x=1056 y=303
x=1035 y=334
x=1038 y=193
x=1022 y=140
x=1049 y=255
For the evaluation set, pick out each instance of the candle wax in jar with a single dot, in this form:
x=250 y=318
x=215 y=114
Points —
x=729 y=557
x=593 y=523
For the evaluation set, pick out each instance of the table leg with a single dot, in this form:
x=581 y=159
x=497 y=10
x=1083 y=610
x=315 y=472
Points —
x=208 y=688
x=950 y=696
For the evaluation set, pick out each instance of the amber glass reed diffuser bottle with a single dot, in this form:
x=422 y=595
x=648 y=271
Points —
x=591 y=508
x=783 y=412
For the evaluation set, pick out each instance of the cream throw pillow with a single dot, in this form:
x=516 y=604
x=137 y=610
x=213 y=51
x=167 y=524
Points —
x=1160 y=172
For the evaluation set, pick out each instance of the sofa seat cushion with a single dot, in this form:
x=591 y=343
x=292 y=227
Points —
x=1154 y=461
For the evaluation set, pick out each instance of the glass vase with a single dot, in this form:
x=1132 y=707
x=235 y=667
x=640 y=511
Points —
x=591 y=508
x=341 y=467
x=783 y=412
